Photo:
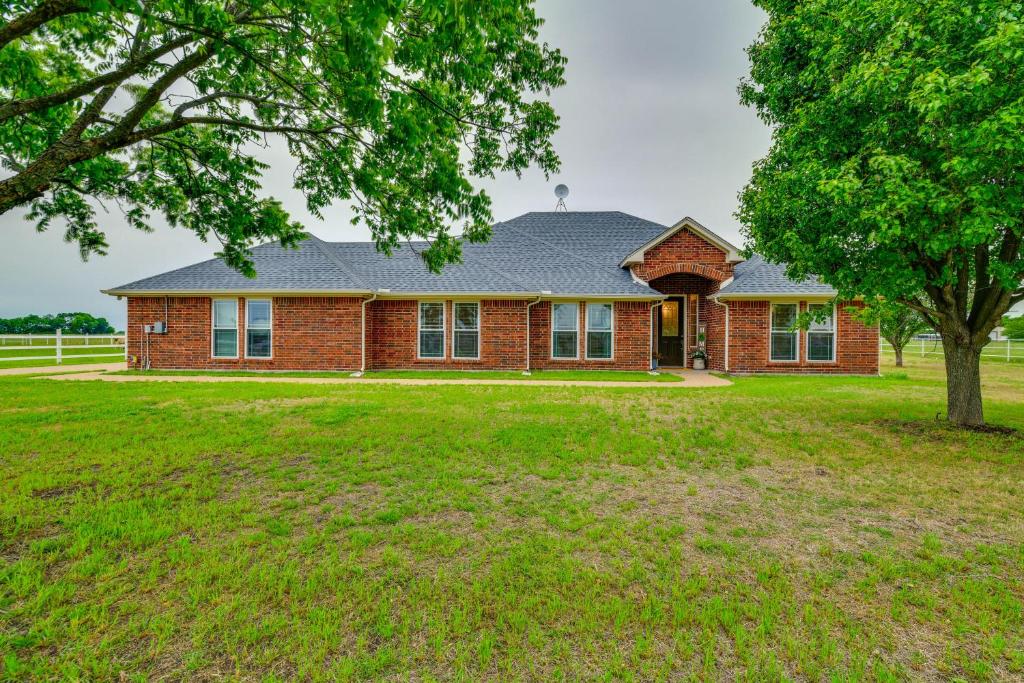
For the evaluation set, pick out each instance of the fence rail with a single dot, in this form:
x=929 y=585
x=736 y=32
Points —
x=70 y=346
x=1008 y=350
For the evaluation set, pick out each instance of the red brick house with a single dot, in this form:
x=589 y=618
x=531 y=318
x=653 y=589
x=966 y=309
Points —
x=598 y=290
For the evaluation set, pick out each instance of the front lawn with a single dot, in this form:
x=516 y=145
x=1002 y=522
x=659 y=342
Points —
x=560 y=375
x=49 y=362
x=793 y=527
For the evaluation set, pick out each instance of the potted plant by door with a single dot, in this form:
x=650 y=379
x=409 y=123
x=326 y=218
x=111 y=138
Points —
x=699 y=359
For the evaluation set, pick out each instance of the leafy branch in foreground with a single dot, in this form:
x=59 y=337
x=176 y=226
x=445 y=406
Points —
x=162 y=105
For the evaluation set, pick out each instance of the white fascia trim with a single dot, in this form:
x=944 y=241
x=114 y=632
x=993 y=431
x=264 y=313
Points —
x=773 y=296
x=732 y=254
x=255 y=293
x=386 y=294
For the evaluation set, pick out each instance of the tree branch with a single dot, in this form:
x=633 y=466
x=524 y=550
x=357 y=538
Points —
x=14 y=108
x=227 y=95
x=42 y=14
x=931 y=315
x=152 y=95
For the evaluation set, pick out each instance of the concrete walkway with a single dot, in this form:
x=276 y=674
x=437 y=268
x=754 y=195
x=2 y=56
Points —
x=690 y=379
x=63 y=369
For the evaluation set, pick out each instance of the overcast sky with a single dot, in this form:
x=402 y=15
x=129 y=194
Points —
x=650 y=125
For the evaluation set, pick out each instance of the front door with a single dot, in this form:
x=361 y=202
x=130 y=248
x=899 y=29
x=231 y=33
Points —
x=670 y=332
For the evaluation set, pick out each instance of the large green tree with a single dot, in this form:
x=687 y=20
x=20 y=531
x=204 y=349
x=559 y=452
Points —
x=160 y=106
x=897 y=160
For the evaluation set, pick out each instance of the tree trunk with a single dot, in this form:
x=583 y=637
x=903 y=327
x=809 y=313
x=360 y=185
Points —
x=899 y=355
x=963 y=383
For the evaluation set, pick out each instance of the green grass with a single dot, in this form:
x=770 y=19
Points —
x=814 y=528
x=68 y=359
x=564 y=375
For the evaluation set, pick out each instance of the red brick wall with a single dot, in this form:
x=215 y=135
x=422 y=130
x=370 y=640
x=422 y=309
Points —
x=631 y=345
x=323 y=333
x=749 y=343
x=392 y=329
x=309 y=333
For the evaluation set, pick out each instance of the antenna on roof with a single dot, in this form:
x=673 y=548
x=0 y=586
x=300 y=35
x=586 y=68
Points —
x=561 y=191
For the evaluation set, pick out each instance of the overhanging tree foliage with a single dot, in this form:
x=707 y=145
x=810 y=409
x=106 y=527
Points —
x=158 y=105
x=897 y=160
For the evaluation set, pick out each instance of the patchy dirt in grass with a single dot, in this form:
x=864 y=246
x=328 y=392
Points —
x=940 y=430
x=264 y=406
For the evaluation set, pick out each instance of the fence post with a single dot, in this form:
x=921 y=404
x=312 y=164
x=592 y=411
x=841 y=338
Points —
x=1008 y=344
x=58 y=347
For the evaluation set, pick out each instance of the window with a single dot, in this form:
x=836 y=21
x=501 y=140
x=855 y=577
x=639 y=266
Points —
x=565 y=325
x=599 y=331
x=431 y=329
x=466 y=330
x=670 y=318
x=784 y=333
x=225 y=328
x=821 y=335
x=257 y=328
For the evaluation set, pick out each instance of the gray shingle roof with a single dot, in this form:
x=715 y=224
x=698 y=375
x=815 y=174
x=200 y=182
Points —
x=757 y=276
x=305 y=268
x=573 y=253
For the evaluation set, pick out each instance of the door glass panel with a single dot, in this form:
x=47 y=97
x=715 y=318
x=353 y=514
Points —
x=670 y=319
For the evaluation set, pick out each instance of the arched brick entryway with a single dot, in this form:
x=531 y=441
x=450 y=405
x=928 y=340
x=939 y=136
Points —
x=688 y=285
x=687 y=267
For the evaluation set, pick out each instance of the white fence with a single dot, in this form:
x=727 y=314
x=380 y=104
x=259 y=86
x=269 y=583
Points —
x=61 y=347
x=1006 y=350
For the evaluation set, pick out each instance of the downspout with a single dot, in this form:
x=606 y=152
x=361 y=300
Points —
x=726 y=307
x=650 y=322
x=528 y=307
x=362 y=343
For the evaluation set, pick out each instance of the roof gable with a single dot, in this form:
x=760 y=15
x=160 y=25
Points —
x=732 y=254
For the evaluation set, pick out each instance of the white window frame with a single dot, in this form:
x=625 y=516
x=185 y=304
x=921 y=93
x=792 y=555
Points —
x=772 y=332
x=610 y=331
x=575 y=329
x=214 y=328
x=456 y=330
x=833 y=331
x=269 y=328
x=420 y=328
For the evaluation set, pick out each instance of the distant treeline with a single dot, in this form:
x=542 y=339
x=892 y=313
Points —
x=68 y=323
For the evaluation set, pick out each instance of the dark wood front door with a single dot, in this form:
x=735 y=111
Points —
x=670 y=332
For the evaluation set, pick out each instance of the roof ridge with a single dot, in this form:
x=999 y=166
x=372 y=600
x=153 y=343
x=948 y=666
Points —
x=337 y=260
x=598 y=266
